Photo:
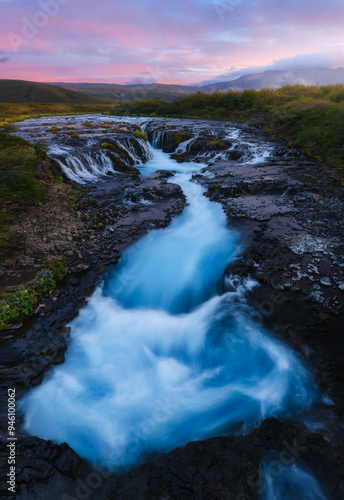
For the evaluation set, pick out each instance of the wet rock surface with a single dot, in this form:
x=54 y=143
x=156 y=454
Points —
x=218 y=468
x=290 y=214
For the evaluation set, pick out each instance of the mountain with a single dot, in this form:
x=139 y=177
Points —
x=274 y=79
x=131 y=92
x=21 y=91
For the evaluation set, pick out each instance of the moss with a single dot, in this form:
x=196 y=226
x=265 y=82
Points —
x=141 y=135
x=55 y=129
x=180 y=137
x=73 y=134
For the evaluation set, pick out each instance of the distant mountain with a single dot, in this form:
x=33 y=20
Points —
x=274 y=79
x=131 y=92
x=21 y=91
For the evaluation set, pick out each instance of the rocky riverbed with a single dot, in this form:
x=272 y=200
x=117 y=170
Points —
x=291 y=217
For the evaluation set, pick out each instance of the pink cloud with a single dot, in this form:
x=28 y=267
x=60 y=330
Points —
x=180 y=41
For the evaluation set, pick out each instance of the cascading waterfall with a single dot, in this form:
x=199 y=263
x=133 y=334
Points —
x=157 y=139
x=90 y=166
x=159 y=357
x=185 y=146
x=86 y=167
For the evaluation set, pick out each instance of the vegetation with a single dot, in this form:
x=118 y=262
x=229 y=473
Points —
x=19 y=161
x=19 y=91
x=141 y=135
x=180 y=137
x=73 y=134
x=22 y=300
x=119 y=93
x=10 y=113
x=310 y=118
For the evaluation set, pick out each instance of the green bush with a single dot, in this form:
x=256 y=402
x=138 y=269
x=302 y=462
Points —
x=58 y=269
x=22 y=300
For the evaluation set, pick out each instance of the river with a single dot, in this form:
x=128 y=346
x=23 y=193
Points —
x=167 y=349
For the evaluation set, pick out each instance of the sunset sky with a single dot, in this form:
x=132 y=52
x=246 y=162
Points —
x=179 y=41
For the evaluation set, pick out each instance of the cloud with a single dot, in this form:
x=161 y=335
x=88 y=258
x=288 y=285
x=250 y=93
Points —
x=4 y=59
x=141 y=80
x=332 y=59
x=183 y=40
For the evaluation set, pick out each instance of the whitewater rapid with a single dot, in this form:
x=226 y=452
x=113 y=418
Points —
x=166 y=350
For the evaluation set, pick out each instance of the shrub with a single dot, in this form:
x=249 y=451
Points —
x=22 y=300
x=58 y=269
x=73 y=134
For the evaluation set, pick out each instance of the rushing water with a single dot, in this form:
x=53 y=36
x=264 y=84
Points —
x=160 y=356
x=288 y=481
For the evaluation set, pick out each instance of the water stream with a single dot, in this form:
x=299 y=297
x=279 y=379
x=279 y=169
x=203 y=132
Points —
x=288 y=481
x=166 y=350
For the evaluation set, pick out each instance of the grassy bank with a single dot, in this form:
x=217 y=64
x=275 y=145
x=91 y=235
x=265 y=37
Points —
x=310 y=118
x=19 y=185
x=10 y=113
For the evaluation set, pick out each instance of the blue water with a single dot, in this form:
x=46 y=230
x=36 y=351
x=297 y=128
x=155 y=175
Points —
x=159 y=357
x=288 y=481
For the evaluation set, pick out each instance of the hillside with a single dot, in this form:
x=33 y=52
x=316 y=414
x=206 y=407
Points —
x=275 y=79
x=21 y=91
x=115 y=91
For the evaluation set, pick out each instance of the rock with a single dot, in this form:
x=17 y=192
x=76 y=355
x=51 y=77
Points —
x=15 y=327
x=325 y=281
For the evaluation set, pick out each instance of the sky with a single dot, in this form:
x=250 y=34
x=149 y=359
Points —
x=165 y=41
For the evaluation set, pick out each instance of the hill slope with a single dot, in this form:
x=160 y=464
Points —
x=131 y=92
x=21 y=91
x=275 y=79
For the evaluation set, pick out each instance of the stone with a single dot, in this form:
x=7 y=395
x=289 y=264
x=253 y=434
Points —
x=325 y=281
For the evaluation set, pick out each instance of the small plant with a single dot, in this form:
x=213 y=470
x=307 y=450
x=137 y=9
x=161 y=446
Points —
x=21 y=301
x=73 y=134
x=58 y=269
x=55 y=129
x=87 y=124
x=141 y=135
x=180 y=137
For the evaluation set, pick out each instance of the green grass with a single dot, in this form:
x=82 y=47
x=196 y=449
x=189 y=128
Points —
x=11 y=113
x=20 y=91
x=18 y=166
x=310 y=118
x=18 y=184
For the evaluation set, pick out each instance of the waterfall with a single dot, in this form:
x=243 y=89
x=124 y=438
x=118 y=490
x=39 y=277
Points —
x=185 y=146
x=86 y=167
x=157 y=139
x=91 y=165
